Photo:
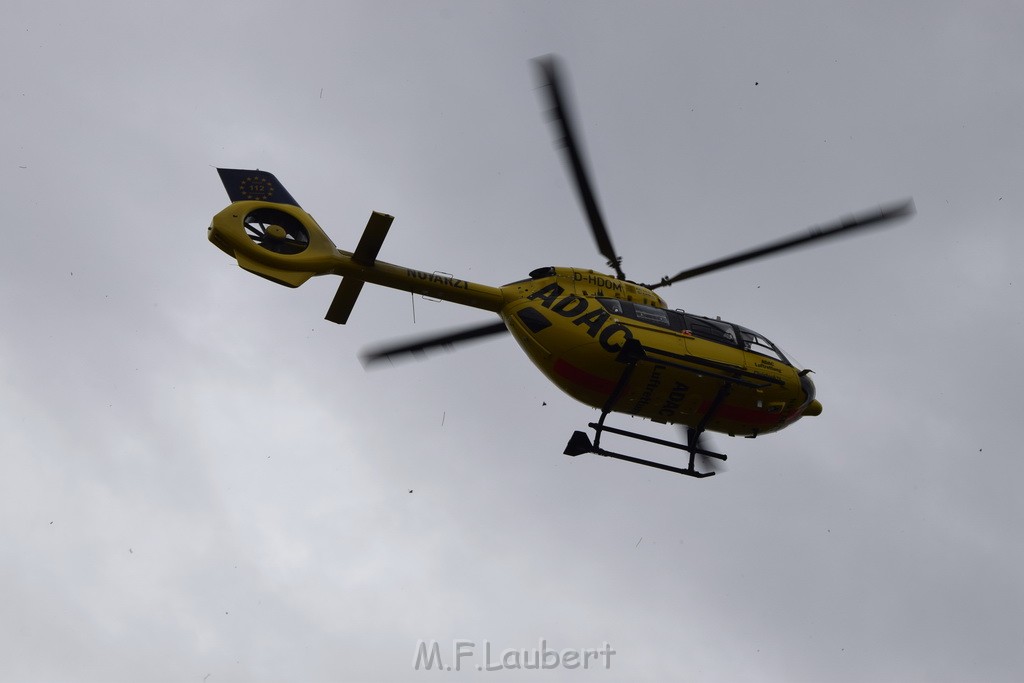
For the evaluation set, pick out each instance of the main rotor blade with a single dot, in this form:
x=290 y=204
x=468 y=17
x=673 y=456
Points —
x=846 y=225
x=419 y=347
x=550 y=75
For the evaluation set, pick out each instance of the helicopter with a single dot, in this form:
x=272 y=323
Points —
x=608 y=341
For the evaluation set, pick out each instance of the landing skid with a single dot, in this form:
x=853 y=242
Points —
x=580 y=443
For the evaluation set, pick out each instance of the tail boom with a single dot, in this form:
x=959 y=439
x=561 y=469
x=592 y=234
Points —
x=320 y=256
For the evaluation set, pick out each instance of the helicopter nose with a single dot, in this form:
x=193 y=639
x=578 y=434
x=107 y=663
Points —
x=813 y=408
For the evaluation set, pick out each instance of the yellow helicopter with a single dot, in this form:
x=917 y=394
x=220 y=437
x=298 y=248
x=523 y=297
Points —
x=605 y=340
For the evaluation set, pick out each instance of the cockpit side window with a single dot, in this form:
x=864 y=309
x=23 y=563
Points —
x=713 y=330
x=652 y=315
x=613 y=306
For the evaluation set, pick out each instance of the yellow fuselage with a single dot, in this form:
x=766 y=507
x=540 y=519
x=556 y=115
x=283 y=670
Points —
x=567 y=324
x=574 y=325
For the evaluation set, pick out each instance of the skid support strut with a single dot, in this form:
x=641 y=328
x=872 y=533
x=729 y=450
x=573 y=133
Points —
x=580 y=443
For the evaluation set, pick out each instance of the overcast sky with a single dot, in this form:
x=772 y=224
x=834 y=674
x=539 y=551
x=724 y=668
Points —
x=199 y=481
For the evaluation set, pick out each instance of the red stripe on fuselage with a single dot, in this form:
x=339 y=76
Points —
x=583 y=378
x=751 y=416
x=754 y=417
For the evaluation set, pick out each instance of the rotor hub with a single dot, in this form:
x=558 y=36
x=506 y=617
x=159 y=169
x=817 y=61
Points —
x=277 y=232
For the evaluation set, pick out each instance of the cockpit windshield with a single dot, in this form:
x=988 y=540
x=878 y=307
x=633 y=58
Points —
x=703 y=328
x=752 y=341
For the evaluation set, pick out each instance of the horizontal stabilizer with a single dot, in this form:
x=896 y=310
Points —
x=365 y=255
x=373 y=236
x=344 y=300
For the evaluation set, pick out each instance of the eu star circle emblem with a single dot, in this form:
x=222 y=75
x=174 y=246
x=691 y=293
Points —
x=256 y=188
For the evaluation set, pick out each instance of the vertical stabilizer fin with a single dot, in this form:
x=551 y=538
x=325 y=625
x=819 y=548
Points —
x=244 y=185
